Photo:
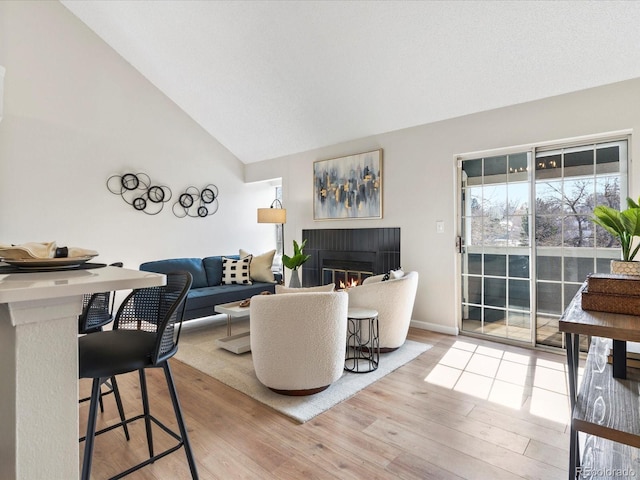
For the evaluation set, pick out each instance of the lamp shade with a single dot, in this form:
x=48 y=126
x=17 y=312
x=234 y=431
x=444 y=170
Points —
x=272 y=215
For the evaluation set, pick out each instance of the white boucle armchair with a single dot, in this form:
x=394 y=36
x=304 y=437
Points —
x=393 y=299
x=298 y=340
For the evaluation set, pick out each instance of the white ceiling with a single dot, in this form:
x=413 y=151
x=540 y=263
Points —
x=272 y=78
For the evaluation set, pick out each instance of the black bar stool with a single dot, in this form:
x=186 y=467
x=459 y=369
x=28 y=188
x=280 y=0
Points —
x=97 y=311
x=145 y=334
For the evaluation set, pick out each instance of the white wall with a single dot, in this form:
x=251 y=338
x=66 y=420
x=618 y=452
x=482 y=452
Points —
x=419 y=177
x=76 y=113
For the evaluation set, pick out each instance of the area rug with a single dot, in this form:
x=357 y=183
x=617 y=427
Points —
x=198 y=349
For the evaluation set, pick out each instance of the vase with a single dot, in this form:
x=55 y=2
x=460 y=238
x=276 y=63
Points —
x=620 y=267
x=294 y=281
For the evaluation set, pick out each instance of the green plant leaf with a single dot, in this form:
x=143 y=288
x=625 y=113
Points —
x=298 y=258
x=609 y=219
x=630 y=219
x=632 y=204
x=624 y=225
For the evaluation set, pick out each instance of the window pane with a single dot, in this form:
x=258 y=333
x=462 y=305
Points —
x=576 y=269
x=518 y=195
x=578 y=196
x=495 y=265
x=518 y=162
x=472 y=290
x=472 y=168
x=608 y=192
x=519 y=294
x=608 y=159
x=518 y=231
x=494 y=200
x=472 y=205
x=492 y=316
x=495 y=166
x=603 y=265
x=519 y=266
x=578 y=231
x=549 y=267
x=495 y=232
x=473 y=233
x=495 y=292
x=608 y=154
x=549 y=166
x=472 y=313
x=579 y=163
x=550 y=193
x=548 y=231
x=474 y=263
x=520 y=319
x=550 y=298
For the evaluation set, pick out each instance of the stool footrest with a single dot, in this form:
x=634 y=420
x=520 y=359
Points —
x=151 y=459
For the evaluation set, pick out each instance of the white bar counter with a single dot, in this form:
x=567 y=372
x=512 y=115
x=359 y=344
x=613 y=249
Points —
x=39 y=366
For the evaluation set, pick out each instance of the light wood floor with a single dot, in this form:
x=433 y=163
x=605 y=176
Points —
x=467 y=408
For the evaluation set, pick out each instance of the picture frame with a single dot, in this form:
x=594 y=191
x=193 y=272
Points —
x=349 y=187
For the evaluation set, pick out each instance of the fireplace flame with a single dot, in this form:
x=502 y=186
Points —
x=351 y=283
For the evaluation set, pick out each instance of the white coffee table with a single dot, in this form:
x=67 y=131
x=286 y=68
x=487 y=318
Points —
x=241 y=342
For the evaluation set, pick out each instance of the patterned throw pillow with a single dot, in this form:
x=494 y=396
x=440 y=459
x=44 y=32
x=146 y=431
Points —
x=236 y=271
x=393 y=275
x=260 y=268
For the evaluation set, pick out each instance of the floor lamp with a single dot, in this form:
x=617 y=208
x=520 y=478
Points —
x=274 y=214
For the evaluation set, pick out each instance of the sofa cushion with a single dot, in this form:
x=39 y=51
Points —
x=210 y=296
x=236 y=271
x=260 y=268
x=213 y=269
x=192 y=265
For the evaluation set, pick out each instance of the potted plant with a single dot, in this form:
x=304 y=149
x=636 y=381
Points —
x=293 y=263
x=625 y=226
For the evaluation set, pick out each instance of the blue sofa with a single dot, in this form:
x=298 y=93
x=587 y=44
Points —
x=207 y=289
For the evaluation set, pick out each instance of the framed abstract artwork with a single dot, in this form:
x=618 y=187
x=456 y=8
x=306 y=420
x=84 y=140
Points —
x=348 y=187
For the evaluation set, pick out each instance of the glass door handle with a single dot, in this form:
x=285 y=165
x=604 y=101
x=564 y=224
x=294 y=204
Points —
x=459 y=244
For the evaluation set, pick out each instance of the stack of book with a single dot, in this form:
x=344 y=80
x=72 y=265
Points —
x=612 y=293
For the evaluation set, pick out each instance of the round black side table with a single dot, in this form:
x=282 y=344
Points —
x=363 y=342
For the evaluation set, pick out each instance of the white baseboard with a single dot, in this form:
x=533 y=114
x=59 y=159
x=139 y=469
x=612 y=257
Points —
x=434 y=327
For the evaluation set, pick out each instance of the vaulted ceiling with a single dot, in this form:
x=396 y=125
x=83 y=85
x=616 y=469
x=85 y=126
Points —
x=272 y=78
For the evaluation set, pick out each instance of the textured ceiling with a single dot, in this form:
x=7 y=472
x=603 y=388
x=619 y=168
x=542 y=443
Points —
x=268 y=78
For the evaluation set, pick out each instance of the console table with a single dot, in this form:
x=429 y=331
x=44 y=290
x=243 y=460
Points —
x=39 y=366
x=606 y=406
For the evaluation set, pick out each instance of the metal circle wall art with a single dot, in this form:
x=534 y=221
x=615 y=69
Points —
x=196 y=203
x=136 y=190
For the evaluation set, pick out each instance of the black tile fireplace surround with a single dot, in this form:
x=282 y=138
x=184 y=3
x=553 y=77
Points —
x=362 y=251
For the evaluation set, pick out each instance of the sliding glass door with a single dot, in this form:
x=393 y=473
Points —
x=495 y=244
x=569 y=183
x=526 y=241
